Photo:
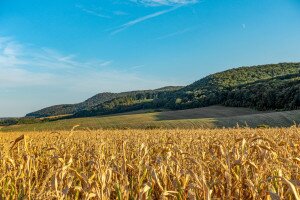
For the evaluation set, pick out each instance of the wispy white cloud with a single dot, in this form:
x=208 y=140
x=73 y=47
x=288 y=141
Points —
x=120 y=13
x=180 y=32
x=99 y=12
x=106 y=63
x=164 y=2
x=136 y=67
x=142 y=19
x=92 y=12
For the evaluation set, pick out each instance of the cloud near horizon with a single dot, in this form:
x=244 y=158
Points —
x=27 y=65
x=28 y=68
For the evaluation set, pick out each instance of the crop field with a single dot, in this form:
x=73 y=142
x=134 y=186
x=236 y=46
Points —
x=209 y=117
x=241 y=163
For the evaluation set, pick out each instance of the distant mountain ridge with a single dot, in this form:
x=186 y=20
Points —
x=227 y=88
x=69 y=109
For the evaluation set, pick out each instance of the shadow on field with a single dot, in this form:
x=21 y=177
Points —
x=206 y=112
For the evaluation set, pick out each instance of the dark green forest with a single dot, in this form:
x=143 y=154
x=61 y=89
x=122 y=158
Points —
x=280 y=93
x=263 y=87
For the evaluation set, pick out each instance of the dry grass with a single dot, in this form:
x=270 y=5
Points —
x=151 y=164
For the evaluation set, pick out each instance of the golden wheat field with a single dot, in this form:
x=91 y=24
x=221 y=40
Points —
x=151 y=164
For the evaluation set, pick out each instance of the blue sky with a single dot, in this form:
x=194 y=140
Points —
x=55 y=51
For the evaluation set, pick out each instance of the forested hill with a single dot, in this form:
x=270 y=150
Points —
x=243 y=75
x=69 y=109
x=214 y=88
x=261 y=87
x=219 y=88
